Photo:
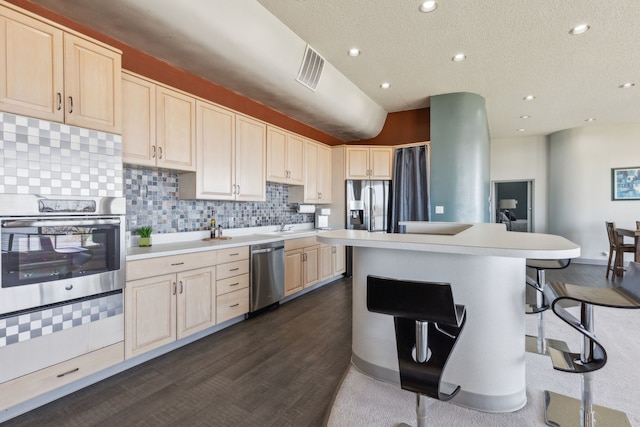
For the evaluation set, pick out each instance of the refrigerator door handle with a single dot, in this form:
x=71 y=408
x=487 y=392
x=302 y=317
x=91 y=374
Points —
x=372 y=211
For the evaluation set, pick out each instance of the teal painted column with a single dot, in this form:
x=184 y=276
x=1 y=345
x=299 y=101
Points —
x=460 y=157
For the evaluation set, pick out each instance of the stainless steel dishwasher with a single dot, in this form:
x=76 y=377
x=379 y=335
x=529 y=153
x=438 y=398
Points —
x=267 y=275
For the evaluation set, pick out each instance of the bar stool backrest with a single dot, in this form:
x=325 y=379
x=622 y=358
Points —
x=428 y=302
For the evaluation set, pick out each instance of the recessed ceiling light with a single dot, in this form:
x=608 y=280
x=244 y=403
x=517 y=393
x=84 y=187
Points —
x=521 y=130
x=579 y=29
x=428 y=6
x=627 y=85
x=458 y=57
x=524 y=116
x=529 y=98
x=385 y=85
x=354 y=51
x=590 y=119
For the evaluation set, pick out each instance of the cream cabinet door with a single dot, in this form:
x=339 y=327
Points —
x=381 y=162
x=31 y=66
x=311 y=265
x=357 y=162
x=196 y=301
x=215 y=136
x=295 y=160
x=175 y=129
x=138 y=121
x=324 y=174
x=326 y=255
x=92 y=84
x=251 y=150
x=292 y=271
x=276 y=155
x=310 y=172
x=150 y=314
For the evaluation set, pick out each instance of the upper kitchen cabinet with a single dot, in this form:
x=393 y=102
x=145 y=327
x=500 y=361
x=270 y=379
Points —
x=364 y=162
x=285 y=156
x=158 y=125
x=317 y=175
x=54 y=74
x=231 y=157
x=175 y=129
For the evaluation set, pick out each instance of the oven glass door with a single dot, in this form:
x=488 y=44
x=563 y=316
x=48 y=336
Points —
x=45 y=250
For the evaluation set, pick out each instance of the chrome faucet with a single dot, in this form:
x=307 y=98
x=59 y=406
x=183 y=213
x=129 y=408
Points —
x=284 y=227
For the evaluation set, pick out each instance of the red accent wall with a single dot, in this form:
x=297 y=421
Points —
x=399 y=128
x=403 y=127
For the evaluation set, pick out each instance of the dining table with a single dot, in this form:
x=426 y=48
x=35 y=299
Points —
x=635 y=233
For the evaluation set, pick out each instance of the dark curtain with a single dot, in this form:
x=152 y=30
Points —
x=409 y=199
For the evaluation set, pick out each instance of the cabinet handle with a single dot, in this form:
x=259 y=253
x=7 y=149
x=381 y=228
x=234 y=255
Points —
x=175 y=287
x=238 y=193
x=304 y=257
x=153 y=151
x=333 y=249
x=68 y=372
x=235 y=254
x=160 y=153
x=177 y=263
x=181 y=286
x=235 y=269
x=59 y=101
x=234 y=189
x=234 y=305
x=70 y=104
x=319 y=195
x=235 y=284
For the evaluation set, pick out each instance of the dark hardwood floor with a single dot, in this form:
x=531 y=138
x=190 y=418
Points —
x=278 y=369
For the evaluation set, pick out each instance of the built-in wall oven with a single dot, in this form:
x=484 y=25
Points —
x=56 y=249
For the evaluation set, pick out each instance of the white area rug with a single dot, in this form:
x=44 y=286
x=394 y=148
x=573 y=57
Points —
x=363 y=401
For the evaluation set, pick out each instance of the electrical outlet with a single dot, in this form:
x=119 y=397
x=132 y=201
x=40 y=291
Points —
x=439 y=209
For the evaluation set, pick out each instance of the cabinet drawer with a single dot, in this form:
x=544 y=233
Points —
x=303 y=242
x=231 y=305
x=231 y=269
x=139 y=269
x=42 y=381
x=232 y=284
x=233 y=254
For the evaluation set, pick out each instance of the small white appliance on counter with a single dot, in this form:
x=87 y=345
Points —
x=322 y=218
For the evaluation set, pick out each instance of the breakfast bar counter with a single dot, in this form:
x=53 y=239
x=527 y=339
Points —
x=485 y=265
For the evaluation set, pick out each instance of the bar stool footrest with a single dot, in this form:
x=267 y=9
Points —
x=564 y=411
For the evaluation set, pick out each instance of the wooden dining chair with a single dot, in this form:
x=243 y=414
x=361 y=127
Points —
x=616 y=245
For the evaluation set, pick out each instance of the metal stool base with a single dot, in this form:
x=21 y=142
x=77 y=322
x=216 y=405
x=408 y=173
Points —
x=564 y=411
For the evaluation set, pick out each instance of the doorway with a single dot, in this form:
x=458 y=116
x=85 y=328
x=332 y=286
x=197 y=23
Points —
x=521 y=217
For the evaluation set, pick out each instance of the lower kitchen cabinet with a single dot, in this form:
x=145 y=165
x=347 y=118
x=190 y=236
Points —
x=37 y=383
x=166 y=307
x=302 y=266
x=332 y=261
x=233 y=283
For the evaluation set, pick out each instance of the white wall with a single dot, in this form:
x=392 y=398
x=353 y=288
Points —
x=580 y=162
x=524 y=159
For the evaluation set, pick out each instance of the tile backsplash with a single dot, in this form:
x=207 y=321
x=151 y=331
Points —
x=152 y=199
x=48 y=158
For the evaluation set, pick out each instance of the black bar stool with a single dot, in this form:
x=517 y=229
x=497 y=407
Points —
x=427 y=324
x=538 y=344
x=562 y=410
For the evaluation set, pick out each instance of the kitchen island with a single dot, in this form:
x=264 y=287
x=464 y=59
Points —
x=485 y=265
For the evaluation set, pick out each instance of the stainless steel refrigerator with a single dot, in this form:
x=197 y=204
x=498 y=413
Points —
x=367 y=205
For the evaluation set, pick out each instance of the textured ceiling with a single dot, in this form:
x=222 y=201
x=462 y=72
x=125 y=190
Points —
x=513 y=47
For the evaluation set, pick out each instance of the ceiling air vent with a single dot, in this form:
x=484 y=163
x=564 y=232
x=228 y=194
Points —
x=311 y=69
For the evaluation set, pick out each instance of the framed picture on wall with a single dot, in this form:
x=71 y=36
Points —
x=625 y=183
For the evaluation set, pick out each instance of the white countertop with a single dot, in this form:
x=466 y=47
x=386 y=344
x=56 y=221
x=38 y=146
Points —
x=478 y=239
x=183 y=243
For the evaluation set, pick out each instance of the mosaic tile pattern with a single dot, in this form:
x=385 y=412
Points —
x=152 y=199
x=42 y=157
x=27 y=326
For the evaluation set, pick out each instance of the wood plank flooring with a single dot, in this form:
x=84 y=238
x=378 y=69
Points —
x=278 y=369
